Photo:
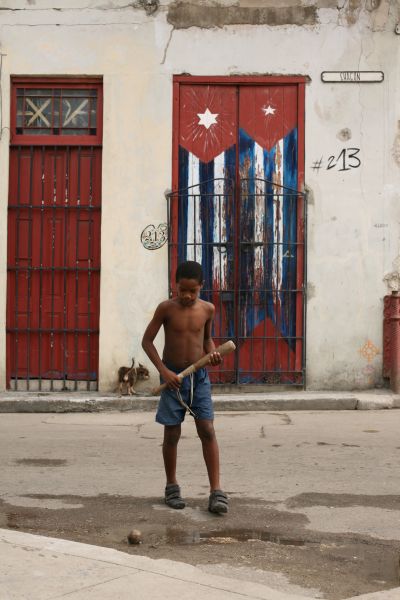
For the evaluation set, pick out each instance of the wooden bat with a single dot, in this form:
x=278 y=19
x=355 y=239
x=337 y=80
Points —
x=202 y=362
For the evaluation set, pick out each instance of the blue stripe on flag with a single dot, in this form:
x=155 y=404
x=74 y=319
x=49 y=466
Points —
x=289 y=248
x=269 y=170
x=182 y=204
x=246 y=232
x=207 y=221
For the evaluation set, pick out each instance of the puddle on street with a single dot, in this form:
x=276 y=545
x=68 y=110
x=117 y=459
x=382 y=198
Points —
x=227 y=536
x=379 y=563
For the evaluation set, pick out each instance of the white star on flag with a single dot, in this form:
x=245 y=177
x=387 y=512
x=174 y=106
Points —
x=268 y=110
x=207 y=118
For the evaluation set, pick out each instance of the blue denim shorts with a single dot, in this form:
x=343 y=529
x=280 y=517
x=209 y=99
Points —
x=171 y=412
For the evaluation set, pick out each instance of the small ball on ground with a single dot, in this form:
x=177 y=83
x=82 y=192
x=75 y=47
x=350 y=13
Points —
x=135 y=536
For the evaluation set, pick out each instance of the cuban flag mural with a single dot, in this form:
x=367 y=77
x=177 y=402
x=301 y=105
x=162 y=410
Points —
x=236 y=212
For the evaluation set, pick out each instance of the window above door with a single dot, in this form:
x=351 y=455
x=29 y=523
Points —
x=56 y=111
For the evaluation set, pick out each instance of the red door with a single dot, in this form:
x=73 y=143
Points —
x=54 y=235
x=238 y=209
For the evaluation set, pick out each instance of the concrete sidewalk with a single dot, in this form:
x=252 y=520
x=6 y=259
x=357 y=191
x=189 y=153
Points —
x=41 y=568
x=60 y=402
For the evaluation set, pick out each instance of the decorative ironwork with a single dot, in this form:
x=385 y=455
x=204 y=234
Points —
x=56 y=111
x=250 y=240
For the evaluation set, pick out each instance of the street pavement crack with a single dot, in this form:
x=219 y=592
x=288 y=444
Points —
x=87 y=587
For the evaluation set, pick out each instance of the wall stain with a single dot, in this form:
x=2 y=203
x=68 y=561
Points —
x=396 y=146
x=310 y=195
x=344 y=134
x=150 y=6
x=351 y=11
x=311 y=291
x=371 y=5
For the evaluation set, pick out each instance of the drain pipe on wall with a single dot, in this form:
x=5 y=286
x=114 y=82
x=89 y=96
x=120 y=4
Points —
x=395 y=342
x=392 y=304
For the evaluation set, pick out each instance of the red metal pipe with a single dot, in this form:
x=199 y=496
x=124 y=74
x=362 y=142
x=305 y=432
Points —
x=394 y=319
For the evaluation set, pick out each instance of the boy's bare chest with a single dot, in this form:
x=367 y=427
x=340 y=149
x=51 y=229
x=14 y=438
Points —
x=186 y=321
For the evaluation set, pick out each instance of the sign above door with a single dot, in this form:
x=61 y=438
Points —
x=352 y=76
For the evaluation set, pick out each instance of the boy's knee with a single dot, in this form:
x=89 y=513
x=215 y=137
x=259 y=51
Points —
x=205 y=431
x=172 y=433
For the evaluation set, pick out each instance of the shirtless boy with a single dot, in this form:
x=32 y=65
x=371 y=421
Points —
x=187 y=322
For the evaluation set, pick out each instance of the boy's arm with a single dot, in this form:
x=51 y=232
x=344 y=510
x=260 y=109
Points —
x=148 y=346
x=208 y=344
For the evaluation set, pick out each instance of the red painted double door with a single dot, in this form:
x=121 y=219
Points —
x=238 y=209
x=53 y=282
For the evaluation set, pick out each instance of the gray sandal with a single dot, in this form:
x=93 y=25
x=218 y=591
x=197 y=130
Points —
x=173 y=497
x=218 y=502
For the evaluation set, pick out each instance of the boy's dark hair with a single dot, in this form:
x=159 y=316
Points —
x=189 y=270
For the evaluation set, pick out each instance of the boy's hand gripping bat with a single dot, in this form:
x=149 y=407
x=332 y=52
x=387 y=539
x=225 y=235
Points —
x=202 y=362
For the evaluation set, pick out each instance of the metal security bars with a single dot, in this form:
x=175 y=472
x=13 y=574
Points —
x=201 y=225
x=271 y=287
x=250 y=240
x=53 y=268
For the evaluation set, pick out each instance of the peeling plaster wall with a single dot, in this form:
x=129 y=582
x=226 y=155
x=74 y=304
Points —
x=184 y=14
x=353 y=216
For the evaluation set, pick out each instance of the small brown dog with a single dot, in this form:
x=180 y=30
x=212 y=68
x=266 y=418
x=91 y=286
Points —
x=128 y=376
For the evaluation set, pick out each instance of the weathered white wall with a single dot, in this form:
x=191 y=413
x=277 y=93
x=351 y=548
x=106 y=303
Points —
x=353 y=217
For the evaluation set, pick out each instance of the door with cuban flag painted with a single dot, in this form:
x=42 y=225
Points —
x=239 y=210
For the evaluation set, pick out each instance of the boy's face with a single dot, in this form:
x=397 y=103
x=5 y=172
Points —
x=188 y=291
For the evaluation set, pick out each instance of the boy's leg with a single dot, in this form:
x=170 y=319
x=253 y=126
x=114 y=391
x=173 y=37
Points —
x=218 y=501
x=173 y=498
x=206 y=433
x=172 y=433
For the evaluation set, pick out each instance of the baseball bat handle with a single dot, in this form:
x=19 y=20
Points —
x=225 y=348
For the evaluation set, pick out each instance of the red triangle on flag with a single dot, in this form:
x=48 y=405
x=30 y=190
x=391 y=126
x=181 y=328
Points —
x=268 y=113
x=208 y=119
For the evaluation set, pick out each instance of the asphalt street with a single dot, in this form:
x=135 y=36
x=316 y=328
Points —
x=315 y=500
